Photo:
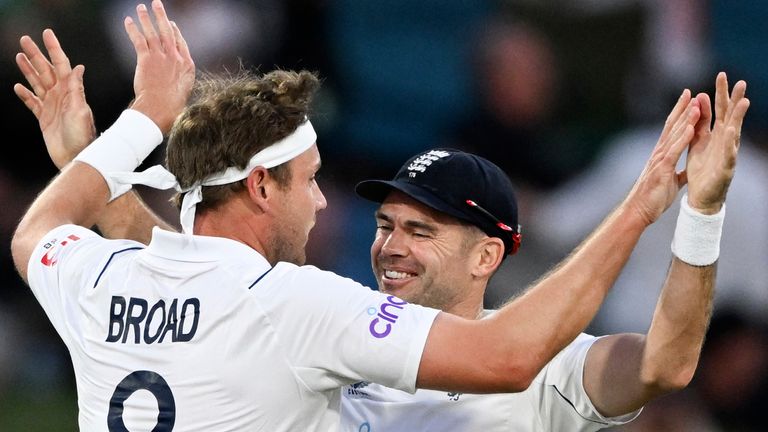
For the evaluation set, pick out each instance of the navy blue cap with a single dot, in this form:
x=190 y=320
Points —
x=460 y=184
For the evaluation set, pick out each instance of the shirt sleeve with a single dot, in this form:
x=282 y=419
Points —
x=563 y=379
x=62 y=264
x=351 y=333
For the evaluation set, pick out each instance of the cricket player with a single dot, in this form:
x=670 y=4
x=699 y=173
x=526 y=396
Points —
x=425 y=252
x=221 y=327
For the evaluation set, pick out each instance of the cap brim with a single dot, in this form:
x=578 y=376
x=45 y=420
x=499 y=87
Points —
x=378 y=190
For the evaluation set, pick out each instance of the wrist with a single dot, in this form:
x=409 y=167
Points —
x=635 y=216
x=149 y=109
x=697 y=235
x=704 y=208
x=122 y=148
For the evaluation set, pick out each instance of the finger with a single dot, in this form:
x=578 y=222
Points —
x=673 y=131
x=181 y=43
x=147 y=27
x=677 y=111
x=738 y=118
x=30 y=100
x=163 y=25
x=730 y=152
x=704 y=125
x=137 y=39
x=43 y=67
x=689 y=118
x=79 y=105
x=679 y=144
x=30 y=74
x=739 y=90
x=721 y=96
x=59 y=59
x=737 y=94
x=75 y=84
x=705 y=104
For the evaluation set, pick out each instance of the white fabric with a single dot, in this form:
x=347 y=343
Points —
x=697 y=236
x=241 y=346
x=276 y=154
x=555 y=401
x=122 y=147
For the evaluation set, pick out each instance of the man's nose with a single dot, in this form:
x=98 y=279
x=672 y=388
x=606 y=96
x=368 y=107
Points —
x=395 y=244
x=320 y=201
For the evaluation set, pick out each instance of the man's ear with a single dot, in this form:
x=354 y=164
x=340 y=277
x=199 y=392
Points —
x=490 y=253
x=260 y=187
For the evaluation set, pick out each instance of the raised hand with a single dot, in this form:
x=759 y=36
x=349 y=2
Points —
x=659 y=183
x=165 y=71
x=711 y=160
x=56 y=98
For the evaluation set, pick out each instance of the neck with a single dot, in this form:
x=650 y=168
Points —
x=236 y=221
x=469 y=307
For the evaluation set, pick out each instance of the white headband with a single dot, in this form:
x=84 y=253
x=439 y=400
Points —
x=276 y=154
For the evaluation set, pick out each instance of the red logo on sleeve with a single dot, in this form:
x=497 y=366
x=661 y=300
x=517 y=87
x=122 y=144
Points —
x=53 y=247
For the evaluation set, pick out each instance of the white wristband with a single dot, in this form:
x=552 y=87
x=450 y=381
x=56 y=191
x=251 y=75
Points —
x=122 y=148
x=697 y=236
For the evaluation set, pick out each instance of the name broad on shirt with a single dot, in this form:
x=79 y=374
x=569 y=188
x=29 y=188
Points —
x=151 y=324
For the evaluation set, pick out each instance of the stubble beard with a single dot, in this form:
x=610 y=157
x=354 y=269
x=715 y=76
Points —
x=427 y=294
x=287 y=247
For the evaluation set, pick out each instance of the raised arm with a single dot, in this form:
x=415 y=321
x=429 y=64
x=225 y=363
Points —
x=625 y=371
x=164 y=77
x=507 y=350
x=67 y=125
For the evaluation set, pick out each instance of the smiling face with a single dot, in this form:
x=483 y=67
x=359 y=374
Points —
x=421 y=255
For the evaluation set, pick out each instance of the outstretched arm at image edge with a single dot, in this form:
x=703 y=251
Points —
x=506 y=351
x=162 y=83
x=623 y=372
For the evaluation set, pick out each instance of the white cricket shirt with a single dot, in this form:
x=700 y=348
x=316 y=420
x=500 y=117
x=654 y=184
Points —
x=555 y=401
x=196 y=333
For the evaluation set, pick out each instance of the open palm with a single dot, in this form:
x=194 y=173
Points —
x=711 y=159
x=56 y=98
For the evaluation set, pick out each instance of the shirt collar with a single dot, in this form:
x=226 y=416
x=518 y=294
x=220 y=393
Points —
x=197 y=248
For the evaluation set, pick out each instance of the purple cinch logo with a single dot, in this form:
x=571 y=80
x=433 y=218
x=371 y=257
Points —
x=381 y=325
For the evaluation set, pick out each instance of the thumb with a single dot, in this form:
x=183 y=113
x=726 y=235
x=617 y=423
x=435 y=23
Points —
x=76 y=80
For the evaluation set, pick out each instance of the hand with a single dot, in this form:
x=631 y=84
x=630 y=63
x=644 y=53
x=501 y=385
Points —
x=57 y=98
x=711 y=158
x=165 y=71
x=658 y=184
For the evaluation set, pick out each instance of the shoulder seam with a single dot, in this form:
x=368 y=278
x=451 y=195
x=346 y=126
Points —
x=261 y=277
x=109 y=261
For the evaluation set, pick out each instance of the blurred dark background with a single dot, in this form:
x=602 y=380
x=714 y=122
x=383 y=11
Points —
x=567 y=97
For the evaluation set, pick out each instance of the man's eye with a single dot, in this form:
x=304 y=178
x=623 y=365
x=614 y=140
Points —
x=384 y=228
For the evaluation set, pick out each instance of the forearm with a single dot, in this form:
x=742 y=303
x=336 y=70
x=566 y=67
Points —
x=129 y=217
x=683 y=311
x=623 y=372
x=505 y=351
x=561 y=305
x=665 y=359
x=678 y=327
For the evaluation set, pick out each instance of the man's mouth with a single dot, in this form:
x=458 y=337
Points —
x=397 y=275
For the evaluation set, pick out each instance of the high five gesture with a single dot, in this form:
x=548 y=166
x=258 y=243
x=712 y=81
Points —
x=712 y=155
